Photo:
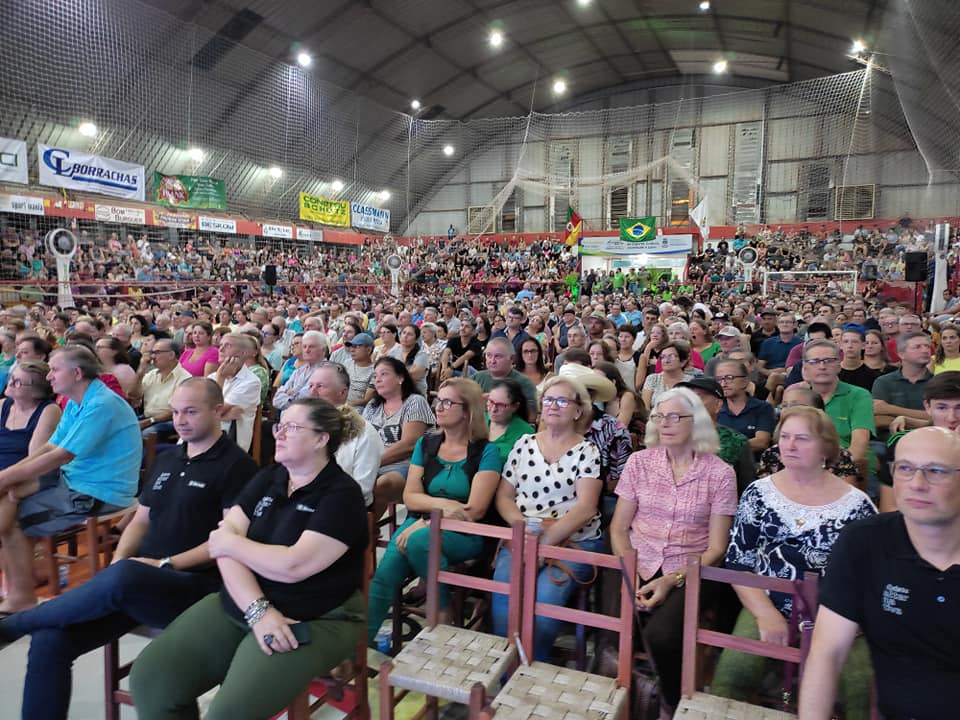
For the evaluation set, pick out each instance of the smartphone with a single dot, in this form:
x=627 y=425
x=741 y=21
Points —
x=301 y=631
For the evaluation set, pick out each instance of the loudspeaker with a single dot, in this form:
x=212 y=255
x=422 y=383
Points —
x=915 y=264
x=270 y=275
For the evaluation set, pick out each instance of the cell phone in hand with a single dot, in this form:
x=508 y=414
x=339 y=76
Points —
x=301 y=631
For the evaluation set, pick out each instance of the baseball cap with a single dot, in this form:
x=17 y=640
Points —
x=768 y=311
x=187 y=313
x=721 y=316
x=569 y=309
x=598 y=316
x=729 y=331
x=360 y=339
x=701 y=382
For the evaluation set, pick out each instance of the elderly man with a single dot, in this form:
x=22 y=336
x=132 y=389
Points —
x=359 y=456
x=158 y=385
x=241 y=388
x=499 y=356
x=89 y=466
x=894 y=577
x=161 y=566
x=313 y=351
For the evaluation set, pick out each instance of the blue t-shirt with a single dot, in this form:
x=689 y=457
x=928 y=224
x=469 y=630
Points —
x=775 y=352
x=103 y=434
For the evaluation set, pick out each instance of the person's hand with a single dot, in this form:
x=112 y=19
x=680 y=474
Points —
x=401 y=539
x=898 y=424
x=275 y=627
x=454 y=510
x=221 y=540
x=230 y=367
x=773 y=628
x=653 y=593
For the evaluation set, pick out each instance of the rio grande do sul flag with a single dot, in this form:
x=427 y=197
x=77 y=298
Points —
x=574 y=226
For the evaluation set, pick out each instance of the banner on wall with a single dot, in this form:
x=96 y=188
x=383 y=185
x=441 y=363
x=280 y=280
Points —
x=13 y=161
x=189 y=191
x=309 y=234
x=218 y=225
x=660 y=245
x=25 y=204
x=75 y=170
x=174 y=220
x=122 y=215
x=368 y=217
x=326 y=212
x=284 y=232
x=638 y=229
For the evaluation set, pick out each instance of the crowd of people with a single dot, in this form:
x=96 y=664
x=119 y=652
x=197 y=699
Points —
x=763 y=433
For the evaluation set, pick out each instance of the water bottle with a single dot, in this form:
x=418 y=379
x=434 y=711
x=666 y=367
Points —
x=383 y=640
x=63 y=575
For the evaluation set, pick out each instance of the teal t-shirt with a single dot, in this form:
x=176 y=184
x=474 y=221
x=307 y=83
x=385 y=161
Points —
x=452 y=482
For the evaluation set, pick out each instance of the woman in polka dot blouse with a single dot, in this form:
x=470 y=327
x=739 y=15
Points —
x=553 y=475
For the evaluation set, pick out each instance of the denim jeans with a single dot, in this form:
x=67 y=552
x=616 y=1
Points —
x=554 y=586
x=109 y=604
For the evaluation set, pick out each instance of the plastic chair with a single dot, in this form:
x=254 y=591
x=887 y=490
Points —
x=695 y=704
x=541 y=690
x=451 y=663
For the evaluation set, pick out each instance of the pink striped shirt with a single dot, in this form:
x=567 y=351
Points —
x=672 y=520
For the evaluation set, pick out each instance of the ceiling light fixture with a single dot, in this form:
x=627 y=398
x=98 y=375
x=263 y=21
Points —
x=276 y=173
x=337 y=185
x=705 y=5
x=195 y=154
x=384 y=195
x=496 y=38
x=448 y=150
x=415 y=104
x=583 y=3
x=304 y=59
x=87 y=129
x=858 y=47
x=720 y=66
x=559 y=87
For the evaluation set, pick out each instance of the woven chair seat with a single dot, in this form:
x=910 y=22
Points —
x=548 y=692
x=710 y=707
x=446 y=661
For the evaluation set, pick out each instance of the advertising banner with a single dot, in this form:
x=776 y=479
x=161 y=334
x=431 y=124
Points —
x=174 y=220
x=278 y=231
x=21 y=204
x=309 y=234
x=368 y=217
x=327 y=212
x=638 y=229
x=76 y=170
x=13 y=161
x=218 y=225
x=189 y=191
x=660 y=245
x=123 y=215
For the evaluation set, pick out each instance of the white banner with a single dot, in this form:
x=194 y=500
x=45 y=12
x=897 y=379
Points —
x=613 y=245
x=25 y=204
x=13 y=161
x=76 y=170
x=278 y=231
x=218 y=225
x=123 y=215
x=368 y=217
x=309 y=234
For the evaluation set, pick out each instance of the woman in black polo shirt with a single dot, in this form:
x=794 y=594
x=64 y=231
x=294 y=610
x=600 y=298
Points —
x=291 y=553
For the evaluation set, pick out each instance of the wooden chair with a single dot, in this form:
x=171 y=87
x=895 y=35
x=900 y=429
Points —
x=114 y=673
x=694 y=705
x=350 y=699
x=540 y=690
x=456 y=664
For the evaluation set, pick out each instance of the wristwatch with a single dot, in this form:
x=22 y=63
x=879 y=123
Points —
x=165 y=562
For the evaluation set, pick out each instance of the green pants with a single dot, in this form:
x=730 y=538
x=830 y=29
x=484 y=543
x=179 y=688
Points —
x=205 y=647
x=395 y=567
x=739 y=675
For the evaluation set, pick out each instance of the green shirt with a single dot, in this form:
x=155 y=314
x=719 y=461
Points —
x=264 y=377
x=517 y=428
x=850 y=408
x=731 y=445
x=708 y=352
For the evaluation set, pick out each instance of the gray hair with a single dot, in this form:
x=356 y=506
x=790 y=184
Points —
x=903 y=339
x=703 y=437
x=507 y=345
x=318 y=336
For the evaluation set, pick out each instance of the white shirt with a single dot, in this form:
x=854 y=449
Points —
x=360 y=459
x=243 y=390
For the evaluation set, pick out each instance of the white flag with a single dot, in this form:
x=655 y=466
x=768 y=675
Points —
x=699 y=216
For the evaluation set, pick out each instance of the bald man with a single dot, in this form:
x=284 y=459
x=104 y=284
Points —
x=896 y=578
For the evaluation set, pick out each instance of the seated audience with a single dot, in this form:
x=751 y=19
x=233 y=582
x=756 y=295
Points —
x=499 y=357
x=507 y=412
x=241 y=388
x=747 y=415
x=203 y=358
x=313 y=351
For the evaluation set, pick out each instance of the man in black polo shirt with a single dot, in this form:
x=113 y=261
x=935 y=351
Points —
x=161 y=566
x=896 y=577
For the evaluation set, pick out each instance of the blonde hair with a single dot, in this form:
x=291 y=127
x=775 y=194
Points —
x=471 y=395
x=353 y=423
x=819 y=424
x=703 y=437
x=582 y=423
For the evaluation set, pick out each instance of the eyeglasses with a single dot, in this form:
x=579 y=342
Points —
x=664 y=358
x=728 y=378
x=497 y=406
x=816 y=362
x=933 y=474
x=529 y=351
x=668 y=418
x=17 y=382
x=290 y=429
x=446 y=403
x=560 y=402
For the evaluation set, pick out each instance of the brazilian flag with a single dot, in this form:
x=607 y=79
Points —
x=638 y=229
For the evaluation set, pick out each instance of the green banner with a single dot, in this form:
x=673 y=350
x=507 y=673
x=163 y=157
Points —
x=638 y=229
x=189 y=191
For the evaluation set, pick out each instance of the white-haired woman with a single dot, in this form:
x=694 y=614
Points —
x=676 y=498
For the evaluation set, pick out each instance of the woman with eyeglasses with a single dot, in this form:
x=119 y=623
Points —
x=27 y=420
x=553 y=478
x=291 y=554
x=455 y=471
x=506 y=412
x=785 y=526
x=387 y=333
x=532 y=363
x=401 y=415
x=676 y=498
x=673 y=359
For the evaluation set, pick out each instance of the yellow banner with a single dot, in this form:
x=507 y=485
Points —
x=327 y=212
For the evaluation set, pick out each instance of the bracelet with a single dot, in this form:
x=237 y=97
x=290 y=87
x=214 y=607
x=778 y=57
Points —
x=681 y=578
x=256 y=610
